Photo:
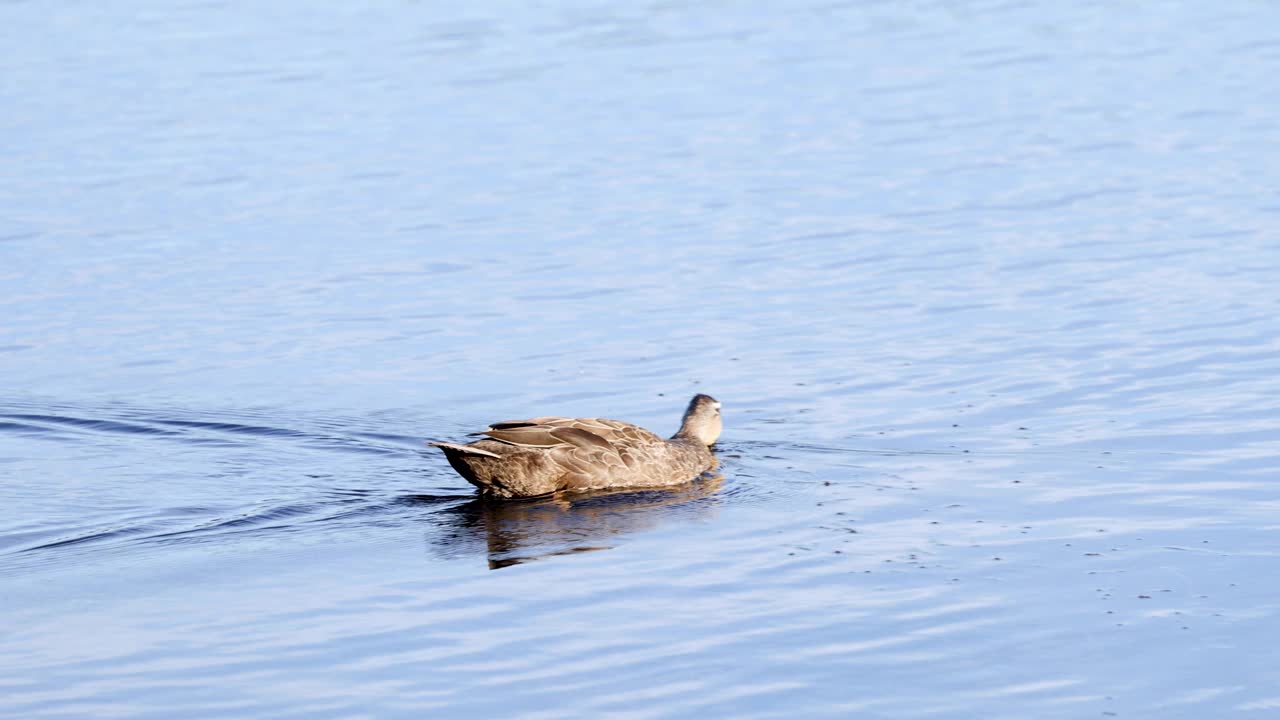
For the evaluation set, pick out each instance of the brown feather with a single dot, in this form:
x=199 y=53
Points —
x=530 y=435
x=583 y=439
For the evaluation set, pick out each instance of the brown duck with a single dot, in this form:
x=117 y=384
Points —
x=526 y=458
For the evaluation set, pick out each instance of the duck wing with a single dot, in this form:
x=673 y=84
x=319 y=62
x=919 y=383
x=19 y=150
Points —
x=615 y=431
x=547 y=436
x=504 y=424
x=590 y=453
x=637 y=447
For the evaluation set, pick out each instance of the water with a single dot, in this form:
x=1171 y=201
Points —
x=987 y=290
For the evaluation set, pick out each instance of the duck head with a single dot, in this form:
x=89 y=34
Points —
x=701 y=420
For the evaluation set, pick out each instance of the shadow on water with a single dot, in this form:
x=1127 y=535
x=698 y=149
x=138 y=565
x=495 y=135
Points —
x=515 y=532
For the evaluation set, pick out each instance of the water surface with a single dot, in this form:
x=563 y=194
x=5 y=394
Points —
x=987 y=290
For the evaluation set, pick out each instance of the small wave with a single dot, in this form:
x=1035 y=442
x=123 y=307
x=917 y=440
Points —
x=266 y=518
x=405 y=439
x=214 y=432
x=348 y=445
x=92 y=424
x=24 y=428
x=258 y=430
x=113 y=533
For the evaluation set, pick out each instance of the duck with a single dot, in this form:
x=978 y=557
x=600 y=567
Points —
x=545 y=455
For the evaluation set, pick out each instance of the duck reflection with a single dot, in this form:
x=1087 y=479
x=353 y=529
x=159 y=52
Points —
x=514 y=532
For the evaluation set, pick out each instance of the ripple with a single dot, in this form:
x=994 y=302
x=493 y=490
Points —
x=101 y=425
x=232 y=428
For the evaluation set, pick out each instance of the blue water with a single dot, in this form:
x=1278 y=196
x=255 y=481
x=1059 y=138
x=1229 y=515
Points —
x=988 y=291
